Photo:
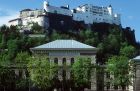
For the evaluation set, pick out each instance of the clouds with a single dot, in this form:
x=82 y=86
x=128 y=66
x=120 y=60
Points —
x=6 y=15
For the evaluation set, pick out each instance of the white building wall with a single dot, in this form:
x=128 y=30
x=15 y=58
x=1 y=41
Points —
x=15 y=22
x=90 y=14
x=41 y=20
x=28 y=20
x=86 y=13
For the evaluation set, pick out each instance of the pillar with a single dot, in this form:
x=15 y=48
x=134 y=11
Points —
x=93 y=74
x=68 y=62
x=60 y=62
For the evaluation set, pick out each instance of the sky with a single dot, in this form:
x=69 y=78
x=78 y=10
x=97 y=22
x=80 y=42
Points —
x=129 y=9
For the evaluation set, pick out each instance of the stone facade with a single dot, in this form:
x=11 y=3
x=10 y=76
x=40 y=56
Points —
x=136 y=80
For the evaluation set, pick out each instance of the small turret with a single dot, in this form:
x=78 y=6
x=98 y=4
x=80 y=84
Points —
x=110 y=9
x=46 y=4
x=67 y=6
x=110 y=5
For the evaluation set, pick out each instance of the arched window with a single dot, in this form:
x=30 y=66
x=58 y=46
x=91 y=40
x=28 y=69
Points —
x=72 y=61
x=56 y=60
x=64 y=61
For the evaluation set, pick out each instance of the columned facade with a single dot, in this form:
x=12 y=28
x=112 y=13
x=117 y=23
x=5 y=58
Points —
x=64 y=54
x=68 y=61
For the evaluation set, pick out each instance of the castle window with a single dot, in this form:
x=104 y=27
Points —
x=32 y=14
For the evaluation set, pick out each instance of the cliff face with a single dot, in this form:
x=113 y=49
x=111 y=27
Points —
x=65 y=23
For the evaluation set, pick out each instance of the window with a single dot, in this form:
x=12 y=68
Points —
x=64 y=61
x=62 y=22
x=72 y=61
x=56 y=60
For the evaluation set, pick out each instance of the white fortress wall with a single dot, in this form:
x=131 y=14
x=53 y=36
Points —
x=87 y=13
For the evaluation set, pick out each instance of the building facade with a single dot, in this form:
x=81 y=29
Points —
x=85 y=13
x=136 y=78
x=66 y=51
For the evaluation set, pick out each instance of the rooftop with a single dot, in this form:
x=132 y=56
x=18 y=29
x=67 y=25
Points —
x=136 y=58
x=64 y=44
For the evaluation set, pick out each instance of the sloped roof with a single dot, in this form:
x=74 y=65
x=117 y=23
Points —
x=137 y=58
x=63 y=44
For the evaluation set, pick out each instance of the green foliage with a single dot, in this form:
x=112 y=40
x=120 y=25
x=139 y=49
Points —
x=119 y=67
x=7 y=77
x=113 y=41
x=55 y=36
x=36 y=28
x=42 y=72
x=81 y=70
x=22 y=58
x=22 y=84
x=128 y=51
x=89 y=37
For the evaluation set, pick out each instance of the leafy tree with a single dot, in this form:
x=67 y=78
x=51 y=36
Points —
x=3 y=41
x=12 y=49
x=22 y=58
x=7 y=76
x=128 y=51
x=81 y=70
x=42 y=72
x=13 y=32
x=36 y=28
x=119 y=67
x=55 y=36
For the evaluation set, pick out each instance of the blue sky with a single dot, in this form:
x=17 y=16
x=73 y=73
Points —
x=129 y=9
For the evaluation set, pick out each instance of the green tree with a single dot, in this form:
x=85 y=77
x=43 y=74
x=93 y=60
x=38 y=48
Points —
x=42 y=72
x=36 y=28
x=55 y=36
x=12 y=49
x=7 y=76
x=128 y=51
x=22 y=58
x=119 y=67
x=81 y=70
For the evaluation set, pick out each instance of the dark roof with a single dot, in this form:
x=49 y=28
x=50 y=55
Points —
x=25 y=10
x=136 y=58
x=15 y=19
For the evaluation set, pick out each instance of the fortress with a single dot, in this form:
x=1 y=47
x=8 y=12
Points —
x=51 y=16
